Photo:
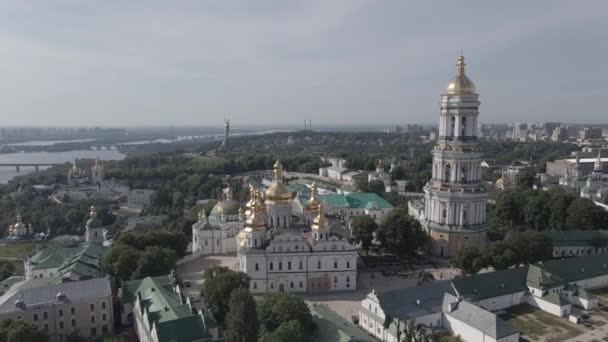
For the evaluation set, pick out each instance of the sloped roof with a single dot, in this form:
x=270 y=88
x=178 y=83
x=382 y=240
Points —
x=72 y=291
x=576 y=237
x=412 y=302
x=359 y=200
x=492 y=284
x=480 y=319
x=174 y=321
x=554 y=273
x=83 y=258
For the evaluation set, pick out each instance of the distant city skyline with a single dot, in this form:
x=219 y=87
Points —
x=277 y=63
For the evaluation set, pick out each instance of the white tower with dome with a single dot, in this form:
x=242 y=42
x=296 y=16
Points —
x=455 y=198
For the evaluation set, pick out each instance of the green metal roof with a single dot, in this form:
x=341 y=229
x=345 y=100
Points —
x=83 y=258
x=492 y=284
x=554 y=273
x=357 y=200
x=174 y=321
x=332 y=327
x=577 y=237
x=366 y=199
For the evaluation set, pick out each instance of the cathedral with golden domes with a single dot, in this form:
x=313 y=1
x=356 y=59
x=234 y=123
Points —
x=279 y=254
x=453 y=211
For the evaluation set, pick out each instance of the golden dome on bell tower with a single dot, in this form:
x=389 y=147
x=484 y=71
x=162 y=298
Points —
x=460 y=84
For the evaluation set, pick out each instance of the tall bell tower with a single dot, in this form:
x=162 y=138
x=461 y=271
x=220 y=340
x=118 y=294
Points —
x=455 y=198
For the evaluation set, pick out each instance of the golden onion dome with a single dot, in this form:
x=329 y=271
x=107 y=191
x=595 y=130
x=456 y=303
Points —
x=277 y=192
x=249 y=204
x=255 y=221
x=313 y=203
x=460 y=84
x=320 y=222
x=19 y=224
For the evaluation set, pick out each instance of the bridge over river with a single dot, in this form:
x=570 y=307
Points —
x=37 y=166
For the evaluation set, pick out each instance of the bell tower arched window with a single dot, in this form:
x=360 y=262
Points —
x=463 y=127
x=447 y=173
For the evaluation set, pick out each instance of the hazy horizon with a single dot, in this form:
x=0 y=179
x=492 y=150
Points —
x=275 y=63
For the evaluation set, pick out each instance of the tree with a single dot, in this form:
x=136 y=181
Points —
x=468 y=259
x=508 y=210
x=363 y=231
x=20 y=331
x=292 y=331
x=558 y=206
x=530 y=246
x=154 y=261
x=400 y=233
x=121 y=261
x=584 y=214
x=376 y=186
x=218 y=284
x=7 y=269
x=277 y=309
x=536 y=211
x=498 y=255
x=241 y=319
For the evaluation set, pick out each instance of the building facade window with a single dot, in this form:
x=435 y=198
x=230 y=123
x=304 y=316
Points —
x=103 y=305
x=73 y=322
x=289 y=265
x=45 y=315
x=60 y=324
x=257 y=267
x=92 y=307
x=73 y=310
x=60 y=312
x=35 y=317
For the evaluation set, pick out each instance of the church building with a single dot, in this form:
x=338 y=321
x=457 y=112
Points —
x=279 y=254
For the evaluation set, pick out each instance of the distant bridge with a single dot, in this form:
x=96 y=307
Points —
x=37 y=166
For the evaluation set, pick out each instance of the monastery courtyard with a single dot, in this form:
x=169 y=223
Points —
x=344 y=303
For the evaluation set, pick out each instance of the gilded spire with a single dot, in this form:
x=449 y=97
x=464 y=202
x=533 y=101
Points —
x=320 y=223
x=313 y=203
x=202 y=216
x=460 y=65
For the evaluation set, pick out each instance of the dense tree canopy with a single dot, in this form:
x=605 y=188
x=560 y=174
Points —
x=20 y=331
x=279 y=309
x=363 y=230
x=242 y=317
x=7 y=269
x=400 y=233
x=518 y=248
x=545 y=210
x=219 y=283
x=137 y=255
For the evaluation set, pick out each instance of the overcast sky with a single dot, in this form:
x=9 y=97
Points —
x=278 y=62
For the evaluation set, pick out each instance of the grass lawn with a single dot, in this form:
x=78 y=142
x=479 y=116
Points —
x=16 y=251
x=19 y=250
x=536 y=325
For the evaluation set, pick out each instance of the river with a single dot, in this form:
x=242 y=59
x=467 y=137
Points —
x=7 y=173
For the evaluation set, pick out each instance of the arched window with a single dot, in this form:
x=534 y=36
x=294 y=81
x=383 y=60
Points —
x=285 y=221
x=464 y=217
x=463 y=126
x=257 y=267
x=447 y=173
x=464 y=174
x=453 y=126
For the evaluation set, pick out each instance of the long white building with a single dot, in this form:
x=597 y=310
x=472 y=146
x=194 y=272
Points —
x=469 y=307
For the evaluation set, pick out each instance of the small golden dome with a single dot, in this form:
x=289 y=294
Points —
x=460 y=84
x=320 y=222
x=313 y=203
x=277 y=192
x=256 y=219
x=19 y=224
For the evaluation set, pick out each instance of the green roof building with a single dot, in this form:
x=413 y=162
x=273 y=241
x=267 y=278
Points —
x=74 y=262
x=160 y=312
x=351 y=205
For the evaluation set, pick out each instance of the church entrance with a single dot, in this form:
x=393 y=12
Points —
x=281 y=288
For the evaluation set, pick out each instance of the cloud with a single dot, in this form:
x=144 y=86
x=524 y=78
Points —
x=276 y=61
